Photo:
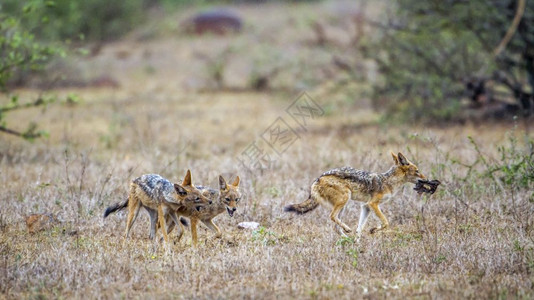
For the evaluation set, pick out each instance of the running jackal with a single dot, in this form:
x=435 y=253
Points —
x=159 y=197
x=226 y=198
x=337 y=186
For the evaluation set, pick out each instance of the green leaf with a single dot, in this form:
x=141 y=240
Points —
x=27 y=8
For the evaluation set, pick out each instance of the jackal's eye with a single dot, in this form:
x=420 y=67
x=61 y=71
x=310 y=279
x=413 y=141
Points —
x=197 y=199
x=227 y=199
x=237 y=199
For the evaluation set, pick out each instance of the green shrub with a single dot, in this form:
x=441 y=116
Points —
x=514 y=169
x=76 y=19
x=516 y=165
x=429 y=53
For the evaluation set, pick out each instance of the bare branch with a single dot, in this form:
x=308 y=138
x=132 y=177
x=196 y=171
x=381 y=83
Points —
x=511 y=29
x=26 y=135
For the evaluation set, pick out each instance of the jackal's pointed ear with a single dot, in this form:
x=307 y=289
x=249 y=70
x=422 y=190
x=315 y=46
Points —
x=222 y=183
x=402 y=160
x=180 y=189
x=187 y=179
x=395 y=158
x=236 y=181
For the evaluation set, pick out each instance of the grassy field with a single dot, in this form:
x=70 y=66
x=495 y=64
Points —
x=474 y=238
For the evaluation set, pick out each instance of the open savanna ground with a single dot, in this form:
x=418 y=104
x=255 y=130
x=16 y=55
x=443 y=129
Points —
x=474 y=238
x=471 y=239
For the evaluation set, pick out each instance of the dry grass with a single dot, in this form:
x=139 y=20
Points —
x=469 y=240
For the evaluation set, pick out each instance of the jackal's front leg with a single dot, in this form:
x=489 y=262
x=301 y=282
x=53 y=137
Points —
x=364 y=214
x=379 y=214
x=212 y=226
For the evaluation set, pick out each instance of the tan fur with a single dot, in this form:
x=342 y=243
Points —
x=225 y=199
x=335 y=187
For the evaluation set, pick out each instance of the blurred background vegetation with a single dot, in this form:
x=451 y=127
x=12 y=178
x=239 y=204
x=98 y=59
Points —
x=433 y=54
x=422 y=61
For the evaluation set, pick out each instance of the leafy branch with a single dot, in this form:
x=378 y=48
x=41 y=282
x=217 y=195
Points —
x=19 y=53
x=31 y=132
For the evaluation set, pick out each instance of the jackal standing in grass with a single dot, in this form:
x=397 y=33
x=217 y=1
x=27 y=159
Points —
x=337 y=186
x=226 y=198
x=159 y=197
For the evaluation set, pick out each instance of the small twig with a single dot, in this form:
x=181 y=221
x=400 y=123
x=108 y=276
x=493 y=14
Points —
x=423 y=217
x=485 y=162
x=82 y=174
x=455 y=214
x=177 y=156
x=464 y=203
x=67 y=166
x=106 y=181
x=391 y=26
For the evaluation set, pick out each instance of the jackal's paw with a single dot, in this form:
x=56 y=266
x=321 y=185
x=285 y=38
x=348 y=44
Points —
x=377 y=229
x=382 y=230
x=347 y=230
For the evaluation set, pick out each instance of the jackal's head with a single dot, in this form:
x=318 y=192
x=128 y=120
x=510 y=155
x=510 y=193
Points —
x=229 y=194
x=406 y=168
x=189 y=194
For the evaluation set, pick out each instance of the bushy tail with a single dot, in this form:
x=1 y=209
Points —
x=115 y=207
x=301 y=208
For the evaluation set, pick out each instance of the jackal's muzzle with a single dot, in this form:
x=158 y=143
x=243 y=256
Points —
x=231 y=210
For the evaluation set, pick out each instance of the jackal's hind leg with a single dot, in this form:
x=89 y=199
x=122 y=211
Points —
x=338 y=228
x=133 y=210
x=335 y=212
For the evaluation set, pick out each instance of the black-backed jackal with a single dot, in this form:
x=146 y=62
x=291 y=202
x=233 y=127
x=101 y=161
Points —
x=159 y=197
x=226 y=198
x=336 y=187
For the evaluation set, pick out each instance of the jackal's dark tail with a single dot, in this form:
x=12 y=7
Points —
x=115 y=207
x=301 y=208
